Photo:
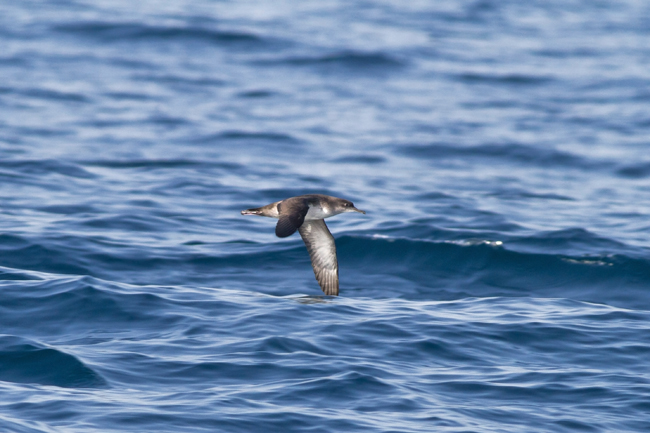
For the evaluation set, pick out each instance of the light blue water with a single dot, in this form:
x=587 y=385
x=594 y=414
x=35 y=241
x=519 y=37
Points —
x=500 y=281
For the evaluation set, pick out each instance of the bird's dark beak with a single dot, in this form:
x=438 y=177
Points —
x=359 y=210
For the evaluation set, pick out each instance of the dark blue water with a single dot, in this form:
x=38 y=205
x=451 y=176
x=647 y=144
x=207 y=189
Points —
x=500 y=281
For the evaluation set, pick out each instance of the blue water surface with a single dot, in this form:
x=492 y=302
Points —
x=500 y=281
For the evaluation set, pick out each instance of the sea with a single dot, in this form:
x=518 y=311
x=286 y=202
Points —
x=499 y=281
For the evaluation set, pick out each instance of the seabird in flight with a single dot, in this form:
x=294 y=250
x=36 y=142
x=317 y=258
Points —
x=307 y=213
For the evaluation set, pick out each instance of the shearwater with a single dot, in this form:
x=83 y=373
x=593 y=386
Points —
x=307 y=213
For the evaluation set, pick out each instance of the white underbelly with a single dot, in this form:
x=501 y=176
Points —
x=317 y=213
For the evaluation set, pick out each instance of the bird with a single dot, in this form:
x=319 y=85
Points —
x=306 y=214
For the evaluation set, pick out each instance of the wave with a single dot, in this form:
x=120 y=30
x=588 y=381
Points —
x=507 y=79
x=53 y=95
x=354 y=59
x=479 y=267
x=348 y=61
x=26 y=361
x=510 y=152
x=567 y=263
x=121 y=31
x=248 y=137
x=361 y=159
x=199 y=82
x=635 y=171
x=157 y=346
x=160 y=164
x=33 y=170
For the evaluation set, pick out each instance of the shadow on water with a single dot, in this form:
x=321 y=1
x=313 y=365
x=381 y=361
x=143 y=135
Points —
x=314 y=299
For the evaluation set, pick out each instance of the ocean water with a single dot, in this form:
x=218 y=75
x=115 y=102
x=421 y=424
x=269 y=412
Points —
x=499 y=282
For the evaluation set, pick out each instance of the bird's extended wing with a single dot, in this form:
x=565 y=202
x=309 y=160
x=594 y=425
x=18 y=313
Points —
x=322 y=250
x=292 y=214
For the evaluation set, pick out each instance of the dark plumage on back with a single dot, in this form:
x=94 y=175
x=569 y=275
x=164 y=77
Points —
x=306 y=213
